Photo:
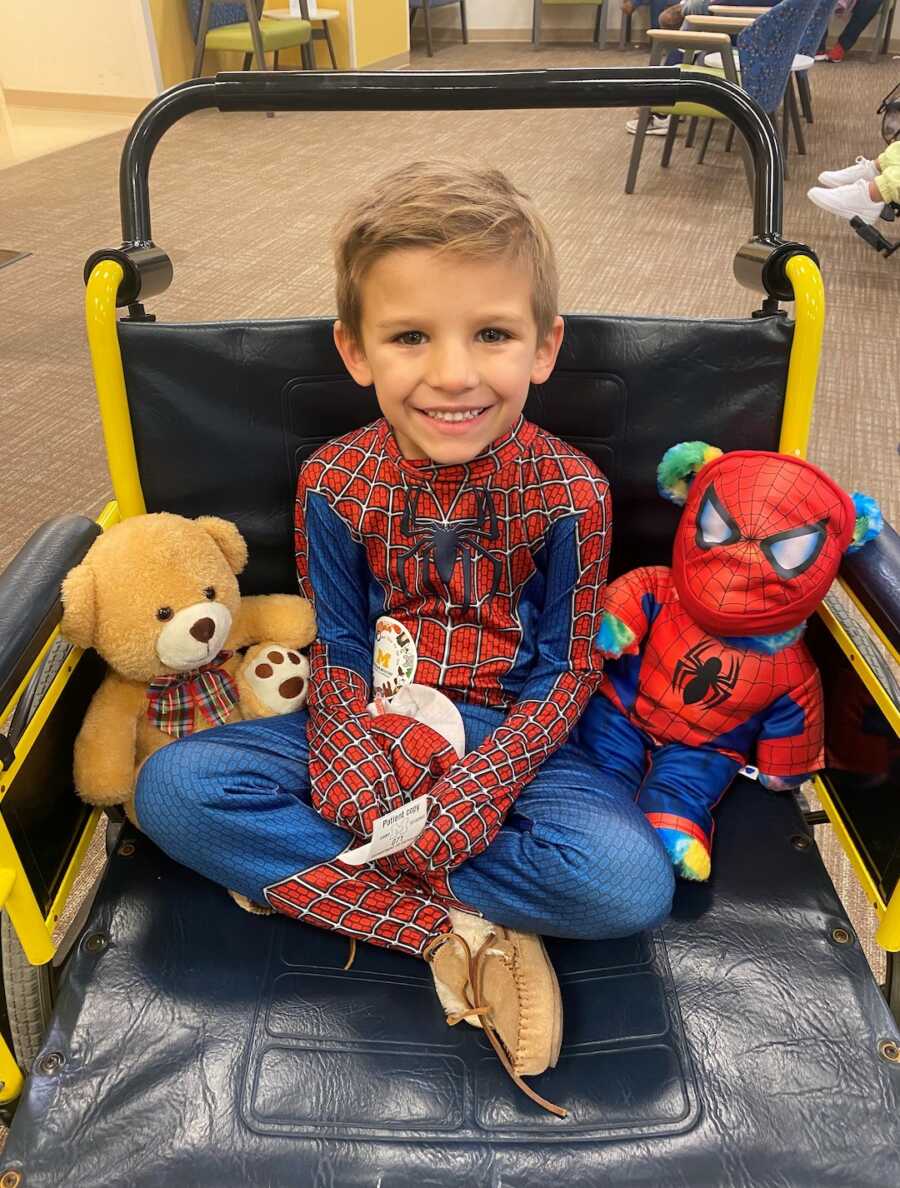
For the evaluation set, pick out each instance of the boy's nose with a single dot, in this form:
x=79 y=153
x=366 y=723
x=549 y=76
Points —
x=452 y=371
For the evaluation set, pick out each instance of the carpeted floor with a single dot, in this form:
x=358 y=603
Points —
x=244 y=205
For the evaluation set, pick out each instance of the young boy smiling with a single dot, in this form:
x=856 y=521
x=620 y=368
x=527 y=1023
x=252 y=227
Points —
x=455 y=547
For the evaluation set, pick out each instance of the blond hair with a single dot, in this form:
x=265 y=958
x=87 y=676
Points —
x=474 y=213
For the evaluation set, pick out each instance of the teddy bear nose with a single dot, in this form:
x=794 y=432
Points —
x=204 y=630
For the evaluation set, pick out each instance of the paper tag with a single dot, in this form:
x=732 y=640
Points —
x=390 y=833
x=394 y=658
x=751 y=772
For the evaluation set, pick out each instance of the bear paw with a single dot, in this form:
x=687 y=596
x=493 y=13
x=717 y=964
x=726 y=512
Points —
x=690 y=856
x=273 y=680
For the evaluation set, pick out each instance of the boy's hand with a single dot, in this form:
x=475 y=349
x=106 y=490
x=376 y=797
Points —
x=418 y=756
x=459 y=826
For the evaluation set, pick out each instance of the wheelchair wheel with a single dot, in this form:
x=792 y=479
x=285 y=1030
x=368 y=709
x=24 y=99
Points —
x=36 y=688
x=30 y=991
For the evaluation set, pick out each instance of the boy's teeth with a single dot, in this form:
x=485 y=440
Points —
x=456 y=416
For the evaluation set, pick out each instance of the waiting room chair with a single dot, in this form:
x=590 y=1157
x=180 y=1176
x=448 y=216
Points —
x=218 y=26
x=426 y=6
x=766 y=50
x=600 y=22
x=316 y=16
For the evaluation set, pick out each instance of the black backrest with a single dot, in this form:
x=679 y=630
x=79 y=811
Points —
x=224 y=414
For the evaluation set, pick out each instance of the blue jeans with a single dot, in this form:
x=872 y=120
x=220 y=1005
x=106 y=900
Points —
x=863 y=13
x=575 y=857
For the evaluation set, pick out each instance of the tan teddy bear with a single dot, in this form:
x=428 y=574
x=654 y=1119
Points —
x=158 y=598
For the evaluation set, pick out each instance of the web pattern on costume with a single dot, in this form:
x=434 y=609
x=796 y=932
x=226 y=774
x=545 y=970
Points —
x=551 y=509
x=769 y=693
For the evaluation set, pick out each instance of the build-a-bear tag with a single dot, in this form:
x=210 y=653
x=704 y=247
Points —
x=394 y=658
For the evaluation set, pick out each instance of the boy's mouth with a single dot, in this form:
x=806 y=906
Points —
x=455 y=417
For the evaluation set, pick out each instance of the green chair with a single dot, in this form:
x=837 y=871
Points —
x=254 y=37
x=600 y=23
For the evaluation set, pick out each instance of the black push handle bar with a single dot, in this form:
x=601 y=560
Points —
x=759 y=264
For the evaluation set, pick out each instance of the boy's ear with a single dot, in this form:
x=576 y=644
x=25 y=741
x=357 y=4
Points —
x=547 y=350
x=353 y=355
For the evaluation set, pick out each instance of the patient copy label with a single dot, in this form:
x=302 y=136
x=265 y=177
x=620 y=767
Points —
x=390 y=833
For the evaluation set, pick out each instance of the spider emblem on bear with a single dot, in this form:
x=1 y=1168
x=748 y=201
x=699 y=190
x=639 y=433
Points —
x=698 y=676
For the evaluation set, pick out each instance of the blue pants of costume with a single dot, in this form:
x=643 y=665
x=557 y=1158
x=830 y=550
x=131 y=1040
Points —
x=575 y=857
x=672 y=779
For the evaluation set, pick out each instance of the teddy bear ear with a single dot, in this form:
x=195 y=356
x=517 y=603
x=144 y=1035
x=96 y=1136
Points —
x=78 y=606
x=227 y=537
x=680 y=463
x=869 y=520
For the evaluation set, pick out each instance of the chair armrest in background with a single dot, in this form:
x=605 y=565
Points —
x=872 y=575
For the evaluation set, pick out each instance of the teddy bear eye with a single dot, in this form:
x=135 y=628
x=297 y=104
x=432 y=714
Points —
x=210 y=592
x=164 y=612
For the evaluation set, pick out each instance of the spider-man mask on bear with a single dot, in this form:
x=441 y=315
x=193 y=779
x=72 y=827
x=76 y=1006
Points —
x=759 y=542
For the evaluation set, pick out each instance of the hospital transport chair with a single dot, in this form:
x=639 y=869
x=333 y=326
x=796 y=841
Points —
x=170 y=1038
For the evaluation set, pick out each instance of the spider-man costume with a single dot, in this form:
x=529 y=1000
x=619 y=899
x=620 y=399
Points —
x=705 y=661
x=496 y=570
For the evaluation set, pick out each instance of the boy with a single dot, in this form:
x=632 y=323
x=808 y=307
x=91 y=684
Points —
x=454 y=543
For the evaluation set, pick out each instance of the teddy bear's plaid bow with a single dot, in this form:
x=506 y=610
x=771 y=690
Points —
x=174 y=697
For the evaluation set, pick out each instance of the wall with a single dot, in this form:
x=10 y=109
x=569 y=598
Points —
x=99 y=48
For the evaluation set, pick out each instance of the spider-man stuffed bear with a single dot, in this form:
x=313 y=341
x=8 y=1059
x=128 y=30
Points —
x=705 y=661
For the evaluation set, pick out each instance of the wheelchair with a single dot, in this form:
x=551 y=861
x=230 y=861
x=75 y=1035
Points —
x=172 y=1038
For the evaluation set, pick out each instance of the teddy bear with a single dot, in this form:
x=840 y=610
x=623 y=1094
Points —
x=157 y=597
x=705 y=661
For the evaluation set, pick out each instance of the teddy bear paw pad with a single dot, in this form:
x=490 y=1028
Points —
x=279 y=677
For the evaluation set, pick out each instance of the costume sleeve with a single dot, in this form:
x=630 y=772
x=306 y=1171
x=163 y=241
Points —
x=628 y=609
x=471 y=801
x=791 y=741
x=352 y=781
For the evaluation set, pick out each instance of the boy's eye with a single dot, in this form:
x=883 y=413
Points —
x=492 y=334
x=410 y=338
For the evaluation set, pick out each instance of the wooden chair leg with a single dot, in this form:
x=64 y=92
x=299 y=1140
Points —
x=625 y=30
x=462 y=17
x=729 y=139
x=248 y=61
x=426 y=12
x=202 y=29
x=785 y=139
x=691 y=132
x=637 y=148
x=794 y=111
x=330 y=45
x=880 y=45
x=805 y=93
x=275 y=60
x=601 y=25
x=705 y=145
x=670 y=141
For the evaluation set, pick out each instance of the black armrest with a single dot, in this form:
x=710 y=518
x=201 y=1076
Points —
x=30 y=604
x=873 y=576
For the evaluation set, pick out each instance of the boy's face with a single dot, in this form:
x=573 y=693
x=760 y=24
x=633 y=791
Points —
x=451 y=346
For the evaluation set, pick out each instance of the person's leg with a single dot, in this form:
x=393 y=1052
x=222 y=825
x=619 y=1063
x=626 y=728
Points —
x=888 y=181
x=575 y=857
x=682 y=787
x=863 y=12
x=233 y=804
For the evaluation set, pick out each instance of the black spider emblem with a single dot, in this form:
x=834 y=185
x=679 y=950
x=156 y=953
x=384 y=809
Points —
x=699 y=676
x=440 y=542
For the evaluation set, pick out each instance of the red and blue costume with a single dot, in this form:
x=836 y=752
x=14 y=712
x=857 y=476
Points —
x=706 y=664
x=496 y=570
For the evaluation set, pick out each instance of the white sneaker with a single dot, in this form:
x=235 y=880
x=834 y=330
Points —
x=848 y=201
x=658 y=126
x=863 y=168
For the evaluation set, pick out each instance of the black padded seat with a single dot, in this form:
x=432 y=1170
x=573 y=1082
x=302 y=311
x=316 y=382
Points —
x=201 y=1046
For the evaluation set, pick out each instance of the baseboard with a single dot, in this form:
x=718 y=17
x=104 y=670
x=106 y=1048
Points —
x=73 y=101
